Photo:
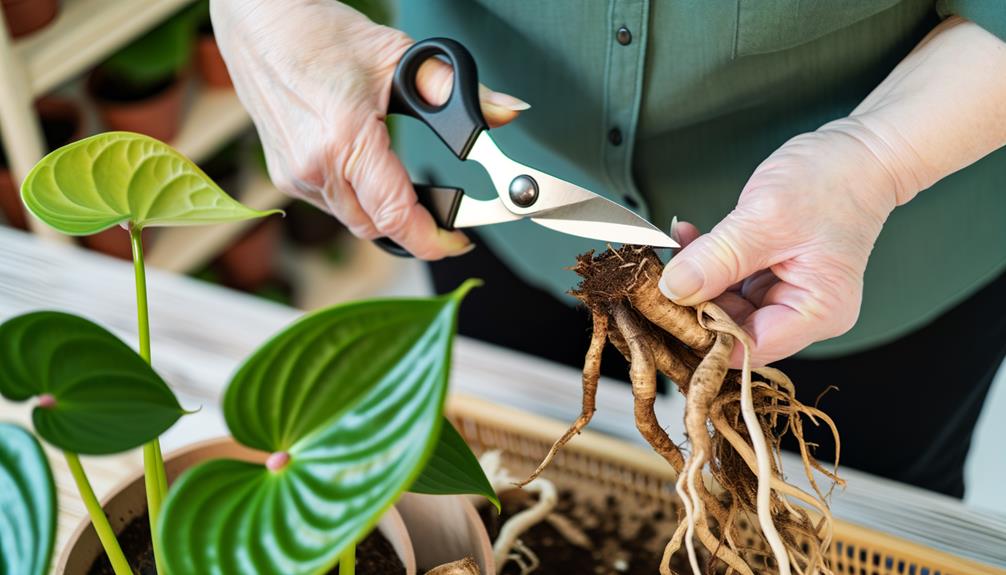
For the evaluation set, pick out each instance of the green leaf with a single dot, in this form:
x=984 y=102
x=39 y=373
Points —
x=354 y=394
x=157 y=55
x=27 y=504
x=107 y=399
x=120 y=177
x=453 y=468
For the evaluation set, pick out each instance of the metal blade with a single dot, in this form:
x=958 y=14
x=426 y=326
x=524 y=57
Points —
x=560 y=205
x=474 y=212
x=602 y=219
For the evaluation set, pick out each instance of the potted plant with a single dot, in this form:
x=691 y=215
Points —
x=209 y=62
x=26 y=16
x=141 y=87
x=61 y=124
x=332 y=419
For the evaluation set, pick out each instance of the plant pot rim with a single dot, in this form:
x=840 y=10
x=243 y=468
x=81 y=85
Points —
x=390 y=523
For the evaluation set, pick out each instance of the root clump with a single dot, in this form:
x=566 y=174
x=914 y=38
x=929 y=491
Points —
x=734 y=419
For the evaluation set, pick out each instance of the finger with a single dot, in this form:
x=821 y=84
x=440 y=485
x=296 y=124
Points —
x=735 y=305
x=708 y=266
x=684 y=232
x=783 y=327
x=755 y=287
x=319 y=188
x=385 y=193
x=341 y=201
x=436 y=77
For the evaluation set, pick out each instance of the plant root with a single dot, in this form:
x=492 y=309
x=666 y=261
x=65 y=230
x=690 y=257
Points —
x=734 y=420
x=466 y=566
x=591 y=374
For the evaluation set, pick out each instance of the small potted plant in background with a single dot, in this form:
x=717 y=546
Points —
x=332 y=419
x=61 y=124
x=209 y=62
x=141 y=87
x=26 y=16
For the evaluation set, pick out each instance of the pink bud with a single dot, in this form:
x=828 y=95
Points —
x=46 y=401
x=277 y=461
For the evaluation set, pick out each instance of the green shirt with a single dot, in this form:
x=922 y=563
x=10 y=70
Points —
x=671 y=115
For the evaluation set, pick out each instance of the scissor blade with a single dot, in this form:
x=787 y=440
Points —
x=560 y=205
x=602 y=219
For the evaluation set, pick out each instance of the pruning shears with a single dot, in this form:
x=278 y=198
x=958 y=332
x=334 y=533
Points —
x=522 y=191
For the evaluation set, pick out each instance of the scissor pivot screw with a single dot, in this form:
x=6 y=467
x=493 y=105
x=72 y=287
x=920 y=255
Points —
x=524 y=191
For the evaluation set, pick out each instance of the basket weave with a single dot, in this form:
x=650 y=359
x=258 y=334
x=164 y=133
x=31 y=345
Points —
x=644 y=477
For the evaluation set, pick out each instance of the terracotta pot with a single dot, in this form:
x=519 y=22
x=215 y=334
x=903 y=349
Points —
x=158 y=115
x=251 y=261
x=129 y=501
x=61 y=124
x=211 y=64
x=10 y=201
x=26 y=16
x=445 y=528
x=115 y=242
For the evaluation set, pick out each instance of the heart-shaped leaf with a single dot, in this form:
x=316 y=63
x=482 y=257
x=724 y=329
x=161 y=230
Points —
x=349 y=401
x=119 y=177
x=96 y=395
x=453 y=468
x=27 y=504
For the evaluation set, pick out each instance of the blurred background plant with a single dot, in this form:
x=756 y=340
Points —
x=166 y=79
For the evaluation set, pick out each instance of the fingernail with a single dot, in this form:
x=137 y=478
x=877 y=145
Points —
x=462 y=251
x=681 y=279
x=505 y=101
x=674 y=229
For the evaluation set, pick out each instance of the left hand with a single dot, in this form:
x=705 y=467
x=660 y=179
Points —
x=787 y=263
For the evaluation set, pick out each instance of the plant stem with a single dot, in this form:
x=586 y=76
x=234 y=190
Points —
x=347 y=563
x=98 y=518
x=154 y=476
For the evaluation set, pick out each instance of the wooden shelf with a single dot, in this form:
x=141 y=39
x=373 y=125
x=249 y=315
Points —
x=215 y=118
x=184 y=249
x=83 y=34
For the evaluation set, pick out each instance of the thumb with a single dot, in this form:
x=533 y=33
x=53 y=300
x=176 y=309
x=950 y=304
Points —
x=710 y=264
x=435 y=79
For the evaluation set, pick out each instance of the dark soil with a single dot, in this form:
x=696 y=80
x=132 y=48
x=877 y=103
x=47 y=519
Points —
x=626 y=538
x=374 y=555
x=136 y=546
x=609 y=276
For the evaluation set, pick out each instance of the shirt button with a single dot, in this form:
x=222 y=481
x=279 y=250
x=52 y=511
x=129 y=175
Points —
x=623 y=36
x=615 y=137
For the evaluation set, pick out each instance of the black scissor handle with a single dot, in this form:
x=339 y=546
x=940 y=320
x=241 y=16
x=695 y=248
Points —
x=458 y=121
x=442 y=203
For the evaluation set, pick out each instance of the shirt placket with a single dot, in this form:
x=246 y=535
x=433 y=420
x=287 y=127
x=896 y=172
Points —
x=626 y=42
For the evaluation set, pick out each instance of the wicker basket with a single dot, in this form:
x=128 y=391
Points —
x=633 y=472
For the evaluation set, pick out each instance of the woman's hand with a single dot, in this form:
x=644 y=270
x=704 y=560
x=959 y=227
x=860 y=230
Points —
x=316 y=78
x=788 y=262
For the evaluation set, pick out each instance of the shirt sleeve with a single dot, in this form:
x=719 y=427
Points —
x=989 y=14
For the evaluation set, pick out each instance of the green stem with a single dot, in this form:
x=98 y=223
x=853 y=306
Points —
x=347 y=562
x=142 y=316
x=98 y=518
x=154 y=476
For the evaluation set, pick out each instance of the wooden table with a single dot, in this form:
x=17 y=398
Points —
x=200 y=332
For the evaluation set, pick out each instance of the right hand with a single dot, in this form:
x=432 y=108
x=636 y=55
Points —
x=316 y=79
